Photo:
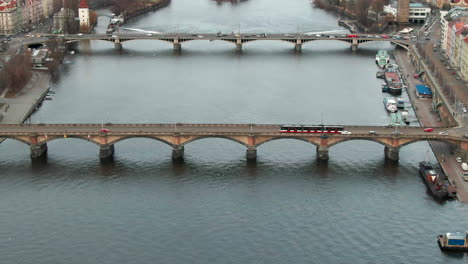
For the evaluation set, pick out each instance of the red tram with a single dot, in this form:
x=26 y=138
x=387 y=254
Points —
x=311 y=129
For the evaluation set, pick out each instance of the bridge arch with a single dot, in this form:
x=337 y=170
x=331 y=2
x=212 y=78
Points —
x=117 y=140
x=231 y=138
x=19 y=139
x=285 y=137
x=341 y=140
x=53 y=138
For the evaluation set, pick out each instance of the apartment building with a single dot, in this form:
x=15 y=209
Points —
x=9 y=17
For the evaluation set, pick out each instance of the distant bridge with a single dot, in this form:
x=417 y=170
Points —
x=249 y=135
x=238 y=39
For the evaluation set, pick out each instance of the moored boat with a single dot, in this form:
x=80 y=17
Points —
x=433 y=180
x=396 y=120
x=382 y=58
x=390 y=104
x=393 y=79
x=453 y=241
x=400 y=103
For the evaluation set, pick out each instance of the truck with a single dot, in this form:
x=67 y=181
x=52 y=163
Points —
x=464 y=166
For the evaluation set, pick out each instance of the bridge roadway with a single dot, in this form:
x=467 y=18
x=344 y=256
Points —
x=249 y=135
x=177 y=38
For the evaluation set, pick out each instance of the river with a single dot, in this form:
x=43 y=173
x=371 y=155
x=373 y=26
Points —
x=215 y=207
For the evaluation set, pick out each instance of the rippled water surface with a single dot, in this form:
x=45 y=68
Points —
x=215 y=207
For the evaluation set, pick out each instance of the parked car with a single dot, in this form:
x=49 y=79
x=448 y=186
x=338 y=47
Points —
x=429 y=129
x=459 y=159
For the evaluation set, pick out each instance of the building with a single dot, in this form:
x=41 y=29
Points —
x=460 y=3
x=447 y=20
x=83 y=13
x=458 y=30
x=48 y=7
x=402 y=15
x=464 y=59
x=9 y=17
x=418 y=13
x=33 y=12
x=408 y=12
x=64 y=21
x=39 y=57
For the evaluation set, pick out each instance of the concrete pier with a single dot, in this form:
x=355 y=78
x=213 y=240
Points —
x=177 y=46
x=392 y=153
x=106 y=153
x=238 y=46
x=251 y=154
x=38 y=151
x=118 y=45
x=322 y=153
x=354 y=47
x=298 y=47
x=178 y=153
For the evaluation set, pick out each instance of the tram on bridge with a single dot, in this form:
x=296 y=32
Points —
x=311 y=129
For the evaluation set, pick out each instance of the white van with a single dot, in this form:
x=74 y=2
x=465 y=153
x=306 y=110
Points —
x=464 y=166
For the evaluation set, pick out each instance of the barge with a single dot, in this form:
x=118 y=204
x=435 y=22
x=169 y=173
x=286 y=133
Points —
x=393 y=80
x=453 y=241
x=434 y=182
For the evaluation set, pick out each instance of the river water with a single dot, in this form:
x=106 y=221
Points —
x=215 y=207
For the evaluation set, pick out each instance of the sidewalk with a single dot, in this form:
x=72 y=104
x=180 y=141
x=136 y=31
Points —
x=24 y=103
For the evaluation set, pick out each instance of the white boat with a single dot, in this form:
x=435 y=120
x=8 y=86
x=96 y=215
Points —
x=382 y=58
x=400 y=103
x=390 y=104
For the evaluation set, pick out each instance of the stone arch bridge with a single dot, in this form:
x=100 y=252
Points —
x=249 y=135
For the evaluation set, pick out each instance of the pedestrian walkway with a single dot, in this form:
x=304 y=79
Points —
x=24 y=103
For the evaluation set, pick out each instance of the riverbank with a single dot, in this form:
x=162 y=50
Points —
x=21 y=106
x=428 y=118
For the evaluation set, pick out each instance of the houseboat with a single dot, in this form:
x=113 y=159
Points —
x=454 y=241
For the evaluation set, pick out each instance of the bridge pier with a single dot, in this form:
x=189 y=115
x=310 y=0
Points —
x=118 y=45
x=354 y=45
x=322 y=153
x=177 y=46
x=238 y=46
x=251 y=153
x=392 y=153
x=178 y=153
x=106 y=152
x=38 y=151
x=298 y=47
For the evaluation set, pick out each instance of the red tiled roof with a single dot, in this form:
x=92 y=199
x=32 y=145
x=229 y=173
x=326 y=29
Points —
x=83 y=4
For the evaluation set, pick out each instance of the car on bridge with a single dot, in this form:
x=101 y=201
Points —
x=105 y=130
x=429 y=129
